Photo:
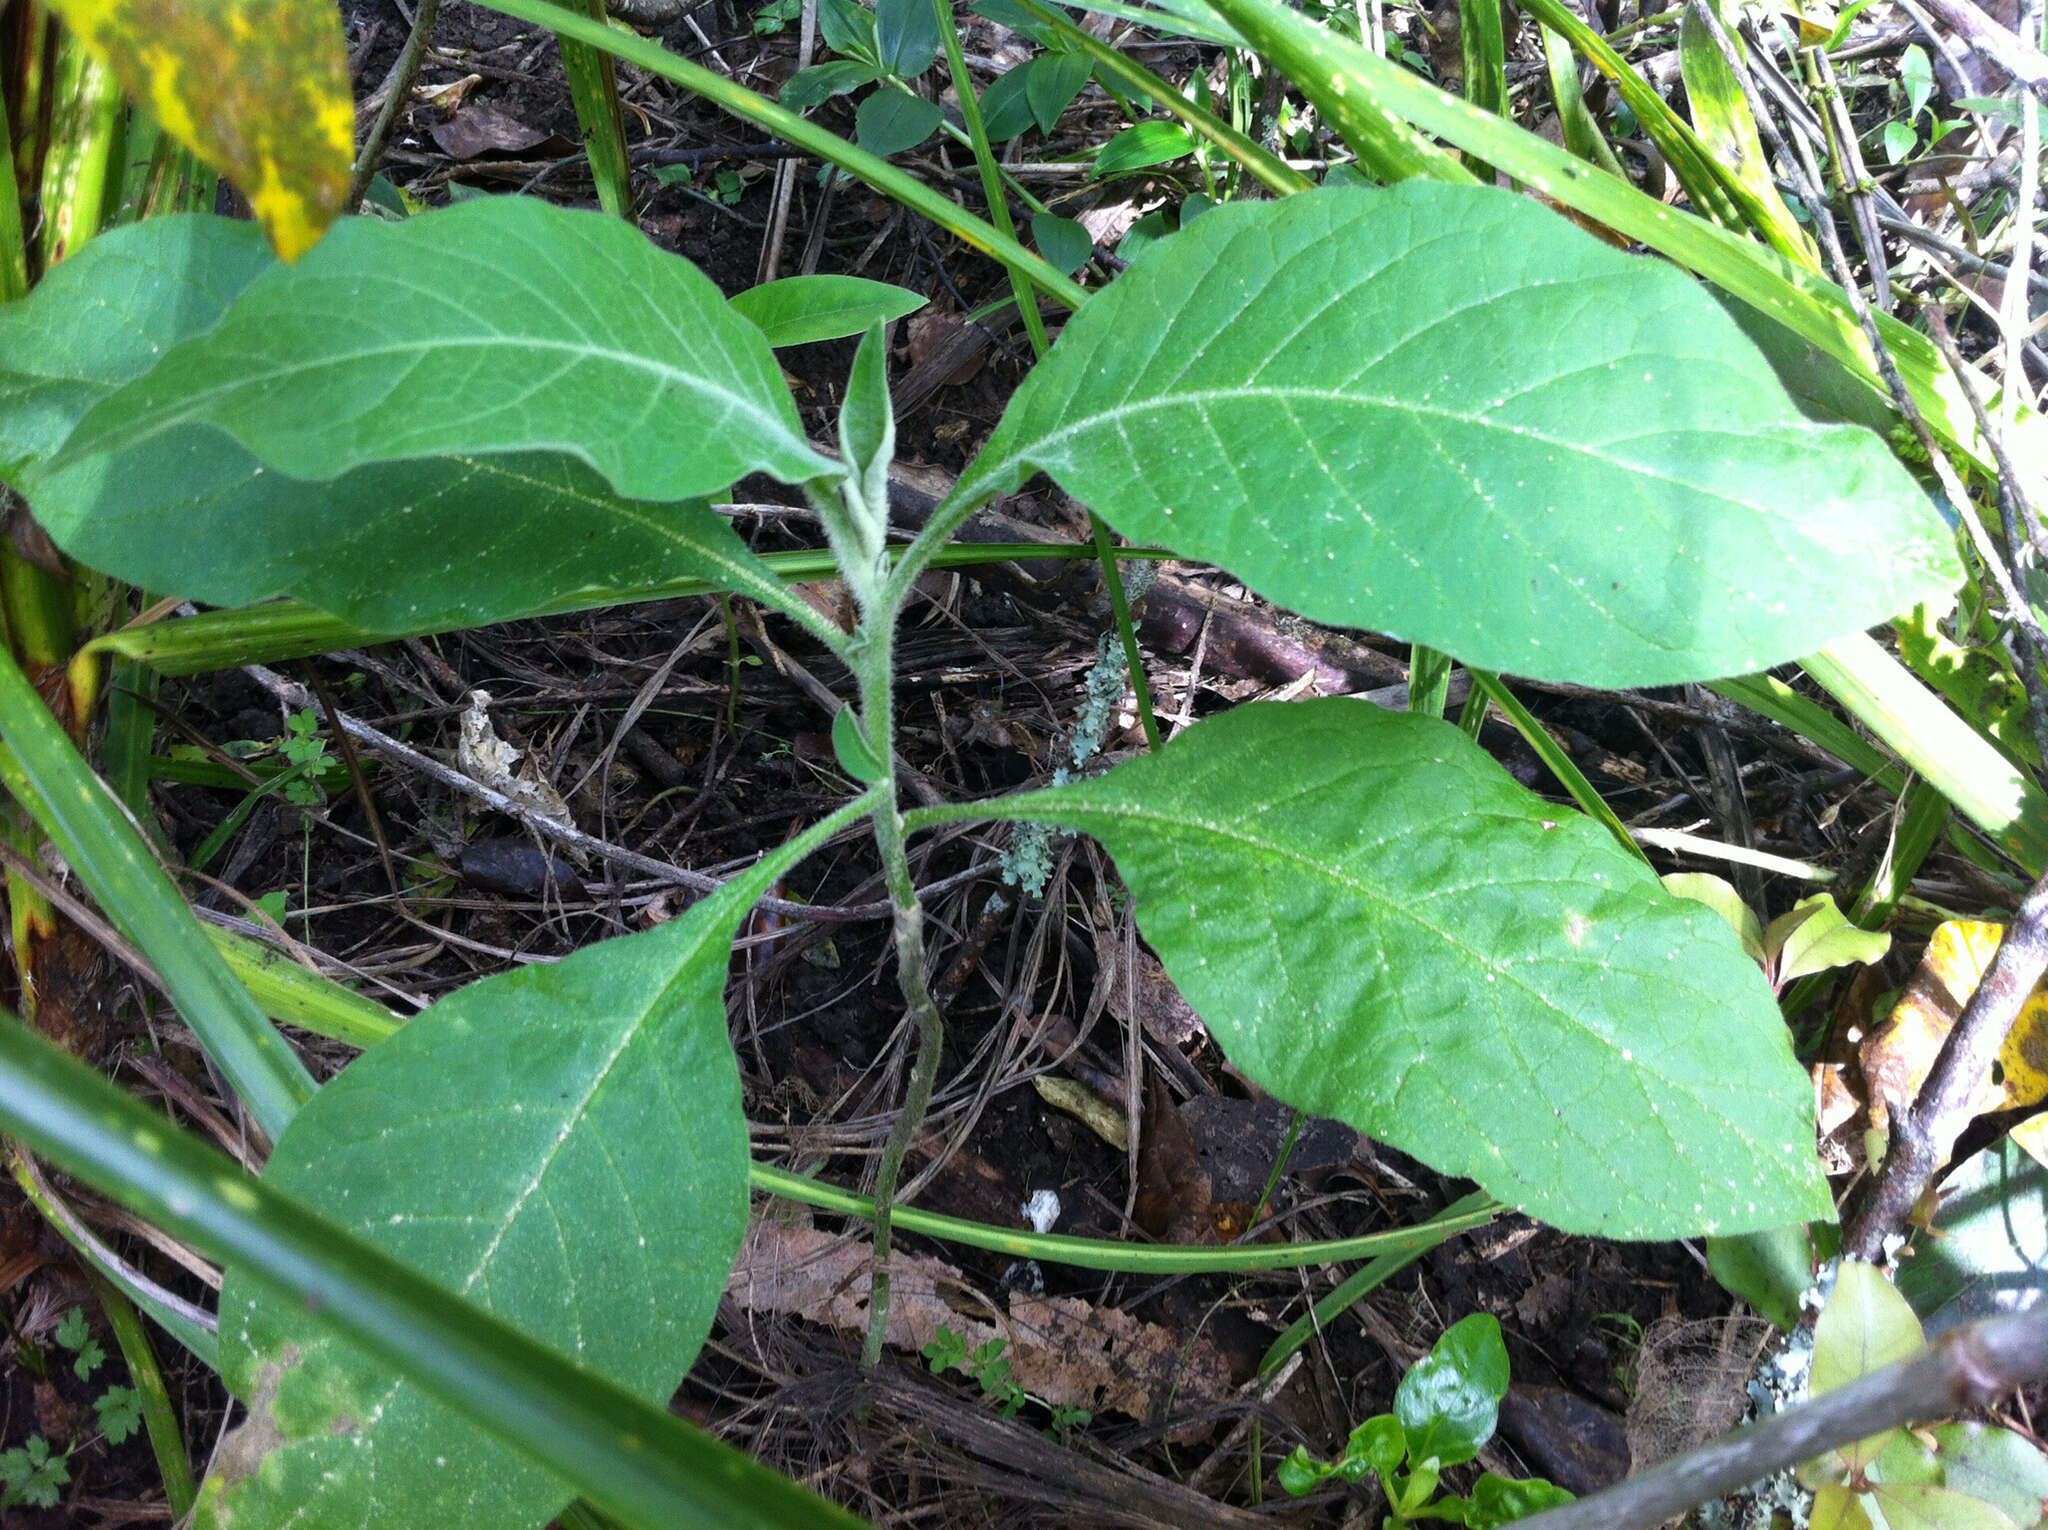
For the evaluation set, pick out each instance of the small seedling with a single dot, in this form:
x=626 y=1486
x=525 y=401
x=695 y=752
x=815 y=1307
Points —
x=776 y=16
x=306 y=752
x=1444 y=1410
x=32 y=1475
x=75 y=1334
x=120 y=1413
x=986 y=1364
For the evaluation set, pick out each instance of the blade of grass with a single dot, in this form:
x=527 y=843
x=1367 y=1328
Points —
x=48 y=777
x=636 y=1461
x=594 y=87
x=1556 y=760
x=1134 y=1258
x=1351 y=1290
x=1953 y=757
x=286 y=991
x=288 y=629
x=783 y=123
x=158 y=1416
x=1582 y=134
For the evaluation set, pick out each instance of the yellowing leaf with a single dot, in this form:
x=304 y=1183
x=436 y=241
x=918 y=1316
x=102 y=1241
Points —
x=258 y=89
x=1898 y=1055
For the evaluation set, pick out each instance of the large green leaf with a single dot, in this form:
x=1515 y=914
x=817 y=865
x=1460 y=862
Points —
x=498 y=325
x=563 y=1145
x=1377 y=924
x=1445 y=413
x=104 y=316
x=389 y=546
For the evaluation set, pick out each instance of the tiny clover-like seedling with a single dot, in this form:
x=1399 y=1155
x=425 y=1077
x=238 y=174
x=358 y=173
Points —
x=1811 y=936
x=33 y=1474
x=1445 y=1410
x=1958 y=1476
x=986 y=1364
x=306 y=753
x=75 y=1334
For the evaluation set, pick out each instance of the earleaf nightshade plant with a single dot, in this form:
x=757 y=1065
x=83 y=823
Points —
x=1436 y=410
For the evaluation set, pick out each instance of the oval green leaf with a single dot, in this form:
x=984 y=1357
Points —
x=1377 y=924
x=460 y=541
x=1449 y=1401
x=499 y=325
x=491 y=1145
x=1445 y=413
x=800 y=309
x=888 y=122
x=1142 y=146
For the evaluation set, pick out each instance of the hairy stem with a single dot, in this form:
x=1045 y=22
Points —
x=873 y=660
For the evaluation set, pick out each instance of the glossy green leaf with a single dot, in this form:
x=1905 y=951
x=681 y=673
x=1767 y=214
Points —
x=2005 y=1469
x=1719 y=894
x=1141 y=146
x=517 y=1125
x=1414 y=410
x=1005 y=110
x=1064 y=242
x=1924 y=1506
x=637 y=1460
x=1377 y=924
x=801 y=309
x=821 y=82
x=503 y=325
x=1865 y=1326
x=1055 y=79
x=1814 y=935
x=907 y=35
x=259 y=89
x=391 y=547
x=1501 y=1500
x=1449 y=1401
x=889 y=122
x=1768 y=1269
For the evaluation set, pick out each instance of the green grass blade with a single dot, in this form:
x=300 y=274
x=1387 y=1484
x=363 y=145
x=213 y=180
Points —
x=1957 y=760
x=638 y=1462
x=1137 y=1258
x=1582 y=134
x=289 y=629
x=787 y=125
x=158 y=1415
x=287 y=991
x=594 y=87
x=1556 y=761
x=72 y=806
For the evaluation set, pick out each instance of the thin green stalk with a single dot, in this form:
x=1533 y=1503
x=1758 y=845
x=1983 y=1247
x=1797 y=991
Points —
x=1355 y=1286
x=1267 y=167
x=288 y=629
x=1962 y=765
x=594 y=87
x=286 y=991
x=158 y=1416
x=13 y=240
x=1127 y=634
x=48 y=777
x=779 y=120
x=1556 y=760
x=1129 y=1258
x=633 y=1459
x=874 y=669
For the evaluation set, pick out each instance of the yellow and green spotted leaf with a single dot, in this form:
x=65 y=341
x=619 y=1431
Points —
x=258 y=89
